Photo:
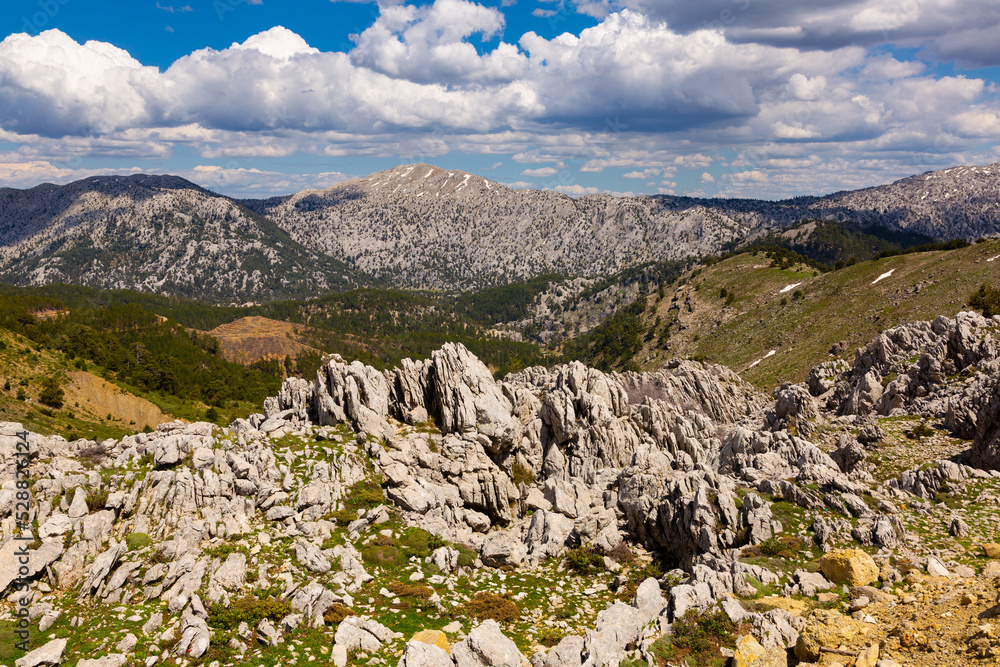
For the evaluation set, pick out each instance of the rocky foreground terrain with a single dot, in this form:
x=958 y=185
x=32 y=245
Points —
x=430 y=516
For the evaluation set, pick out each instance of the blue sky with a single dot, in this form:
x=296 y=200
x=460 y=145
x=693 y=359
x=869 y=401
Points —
x=760 y=98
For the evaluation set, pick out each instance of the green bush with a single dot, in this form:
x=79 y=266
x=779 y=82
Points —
x=52 y=392
x=418 y=542
x=697 y=638
x=137 y=541
x=986 y=299
x=550 y=636
x=249 y=610
x=97 y=499
x=383 y=556
x=466 y=555
x=366 y=494
x=584 y=561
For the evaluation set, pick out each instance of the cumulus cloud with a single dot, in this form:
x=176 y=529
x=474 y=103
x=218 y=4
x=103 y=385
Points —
x=543 y=172
x=430 y=44
x=964 y=31
x=632 y=95
x=53 y=86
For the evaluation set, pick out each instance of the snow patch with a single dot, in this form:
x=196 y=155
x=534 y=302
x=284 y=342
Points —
x=769 y=354
x=883 y=276
x=993 y=259
x=789 y=288
x=430 y=172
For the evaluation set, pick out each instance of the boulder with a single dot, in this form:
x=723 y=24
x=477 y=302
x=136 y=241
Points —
x=849 y=566
x=434 y=637
x=47 y=655
x=825 y=627
x=748 y=649
x=486 y=646
x=424 y=654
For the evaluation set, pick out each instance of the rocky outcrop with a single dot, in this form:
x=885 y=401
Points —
x=911 y=369
x=688 y=462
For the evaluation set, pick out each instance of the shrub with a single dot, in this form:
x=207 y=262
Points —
x=93 y=454
x=418 y=542
x=365 y=494
x=338 y=613
x=521 y=474
x=621 y=553
x=466 y=555
x=550 y=636
x=249 y=610
x=97 y=499
x=490 y=605
x=698 y=636
x=137 y=541
x=920 y=431
x=6 y=385
x=212 y=415
x=20 y=394
x=986 y=299
x=776 y=547
x=584 y=561
x=52 y=393
x=383 y=556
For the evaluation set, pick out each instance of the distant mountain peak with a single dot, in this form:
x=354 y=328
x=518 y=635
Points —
x=424 y=180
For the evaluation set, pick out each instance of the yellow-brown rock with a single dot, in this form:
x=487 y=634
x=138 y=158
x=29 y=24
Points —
x=991 y=550
x=832 y=629
x=434 y=638
x=748 y=649
x=849 y=566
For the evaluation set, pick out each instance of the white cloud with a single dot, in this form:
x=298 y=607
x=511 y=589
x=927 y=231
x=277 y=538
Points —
x=645 y=174
x=543 y=172
x=707 y=178
x=630 y=94
x=250 y=182
x=53 y=86
x=964 y=31
x=429 y=44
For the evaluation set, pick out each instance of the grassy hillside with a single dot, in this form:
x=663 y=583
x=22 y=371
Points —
x=124 y=360
x=736 y=311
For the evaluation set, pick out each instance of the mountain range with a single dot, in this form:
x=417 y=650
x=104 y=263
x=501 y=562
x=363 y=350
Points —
x=419 y=226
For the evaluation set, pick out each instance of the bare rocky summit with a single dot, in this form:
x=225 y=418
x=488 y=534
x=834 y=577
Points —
x=422 y=226
x=518 y=517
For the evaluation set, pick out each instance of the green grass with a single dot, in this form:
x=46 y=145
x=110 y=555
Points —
x=837 y=307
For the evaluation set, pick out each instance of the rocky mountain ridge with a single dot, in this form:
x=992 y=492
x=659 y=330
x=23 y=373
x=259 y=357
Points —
x=420 y=226
x=291 y=535
x=158 y=234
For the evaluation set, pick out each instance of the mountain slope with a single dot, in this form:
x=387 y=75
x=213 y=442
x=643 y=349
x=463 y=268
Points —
x=737 y=311
x=154 y=234
x=422 y=226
